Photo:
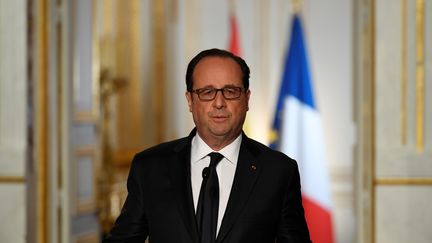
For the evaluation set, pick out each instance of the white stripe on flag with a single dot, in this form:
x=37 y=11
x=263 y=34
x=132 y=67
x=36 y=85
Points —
x=302 y=139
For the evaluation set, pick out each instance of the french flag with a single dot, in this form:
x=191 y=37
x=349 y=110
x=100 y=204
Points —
x=297 y=132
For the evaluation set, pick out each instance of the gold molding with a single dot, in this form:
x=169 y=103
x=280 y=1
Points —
x=404 y=181
x=367 y=109
x=12 y=179
x=61 y=37
x=42 y=33
x=85 y=117
x=365 y=168
x=404 y=71
x=420 y=76
x=372 y=121
x=85 y=151
x=158 y=10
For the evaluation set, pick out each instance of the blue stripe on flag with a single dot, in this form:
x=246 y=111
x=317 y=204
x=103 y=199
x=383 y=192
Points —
x=296 y=78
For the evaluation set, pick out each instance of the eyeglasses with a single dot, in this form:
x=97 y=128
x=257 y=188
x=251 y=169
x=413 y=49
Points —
x=209 y=94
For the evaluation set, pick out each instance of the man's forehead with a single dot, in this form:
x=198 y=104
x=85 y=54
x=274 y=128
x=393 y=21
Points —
x=218 y=59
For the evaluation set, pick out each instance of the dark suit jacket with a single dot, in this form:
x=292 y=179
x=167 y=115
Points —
x=264 y=206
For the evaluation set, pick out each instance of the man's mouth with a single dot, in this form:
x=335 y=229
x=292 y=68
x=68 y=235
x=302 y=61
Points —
x=219 y=118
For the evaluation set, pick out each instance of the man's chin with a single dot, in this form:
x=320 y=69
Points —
x=220 y=132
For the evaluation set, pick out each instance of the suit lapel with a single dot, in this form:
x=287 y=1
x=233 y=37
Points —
x=179 y=168
x=247 y=171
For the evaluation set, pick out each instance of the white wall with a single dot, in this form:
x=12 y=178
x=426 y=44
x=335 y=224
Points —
x=13 y=119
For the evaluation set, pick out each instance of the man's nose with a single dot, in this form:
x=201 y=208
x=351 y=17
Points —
x=219 y=100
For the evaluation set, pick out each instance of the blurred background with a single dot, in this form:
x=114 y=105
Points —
x=85 y=84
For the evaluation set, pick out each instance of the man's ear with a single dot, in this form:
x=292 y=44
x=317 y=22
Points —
x=189 y=100
x=248 y=93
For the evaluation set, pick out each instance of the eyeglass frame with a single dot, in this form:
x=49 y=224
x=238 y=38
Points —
x=198 y=92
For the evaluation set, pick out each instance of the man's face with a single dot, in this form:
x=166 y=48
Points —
x=218 y=120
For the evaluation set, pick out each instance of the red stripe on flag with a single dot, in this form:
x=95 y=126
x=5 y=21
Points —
x=319 y=221
x=234 y=41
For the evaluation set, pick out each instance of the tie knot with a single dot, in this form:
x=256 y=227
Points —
x=215 y=158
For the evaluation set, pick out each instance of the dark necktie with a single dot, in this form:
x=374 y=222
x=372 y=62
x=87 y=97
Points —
x=208 y=202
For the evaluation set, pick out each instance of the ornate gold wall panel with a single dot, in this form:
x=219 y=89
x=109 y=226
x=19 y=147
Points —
x=128 y=131
x=131 y=57
x=136 y=115
x=394 y=147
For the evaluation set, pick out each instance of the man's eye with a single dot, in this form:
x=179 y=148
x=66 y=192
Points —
x=230 y=91
x=206 y=91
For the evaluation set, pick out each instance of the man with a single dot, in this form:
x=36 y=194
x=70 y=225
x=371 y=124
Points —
x=182 y=191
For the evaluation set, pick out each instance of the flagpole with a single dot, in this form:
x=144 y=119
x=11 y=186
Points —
x=297 y=6
x=231 y=6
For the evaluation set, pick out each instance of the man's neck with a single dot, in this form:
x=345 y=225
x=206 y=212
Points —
x=218 y=142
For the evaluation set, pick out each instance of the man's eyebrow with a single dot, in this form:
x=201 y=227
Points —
x=225 y=86
x=207 y=87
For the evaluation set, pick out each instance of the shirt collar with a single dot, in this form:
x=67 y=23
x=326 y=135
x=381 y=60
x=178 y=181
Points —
x=200 y=149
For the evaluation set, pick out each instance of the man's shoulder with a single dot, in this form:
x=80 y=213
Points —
x=264 y=149
x=165 y=148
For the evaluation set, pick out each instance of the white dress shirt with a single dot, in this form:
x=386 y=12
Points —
x=225 y=170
